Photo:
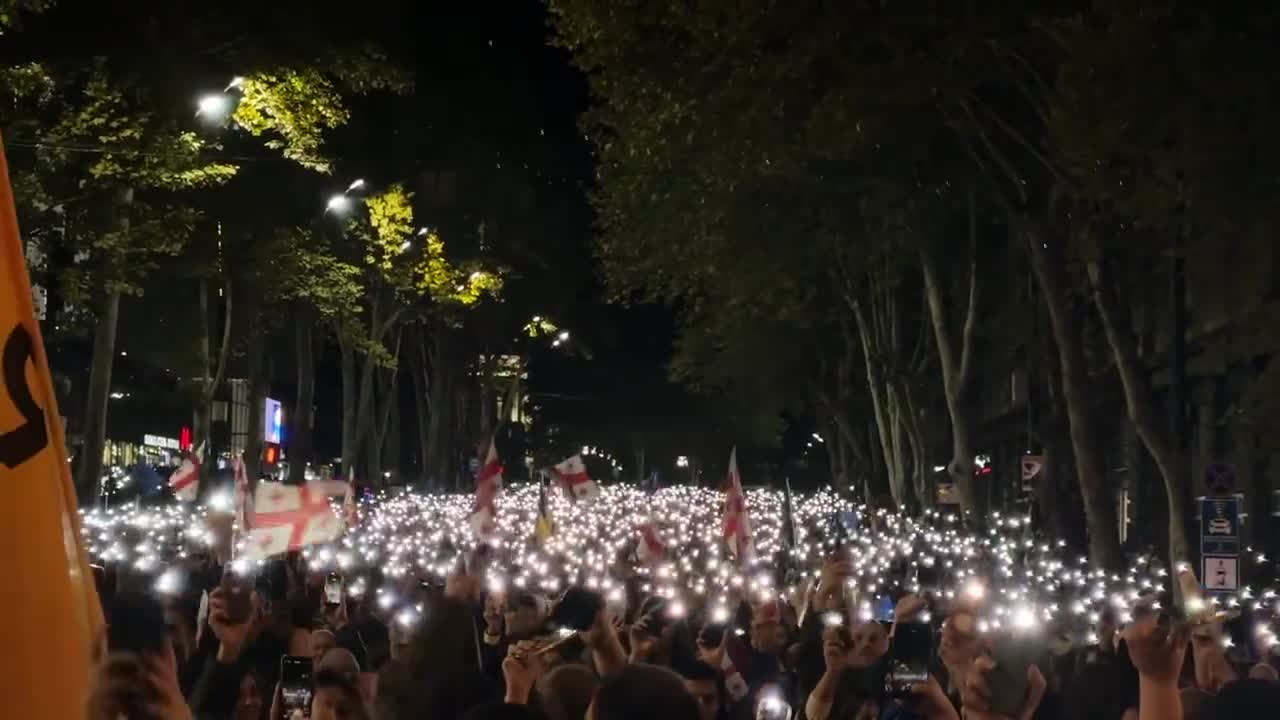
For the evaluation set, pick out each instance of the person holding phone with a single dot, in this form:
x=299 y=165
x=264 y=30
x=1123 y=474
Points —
x=138 y=678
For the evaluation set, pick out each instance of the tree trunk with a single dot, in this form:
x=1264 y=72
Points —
x=257 y=397
x=211 y=377
x=203 y=413
x=1048 y=265
x=439 y=446
x=957 y=372
x=304 y=415
x=1144 y=413
x=97 y=397
x=422 y=404
x=348 y=406
x=383 y=403
x=875 y=386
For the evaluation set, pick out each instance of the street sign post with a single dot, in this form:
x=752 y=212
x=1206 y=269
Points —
x=1220 y=536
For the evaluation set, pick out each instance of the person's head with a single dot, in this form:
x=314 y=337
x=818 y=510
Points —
x=339 y=660
x=643 y=692
x=501 y=711
x=768 y=635
x=522 y=614
x=869 y=641
x=1263 y=671
x=566 y=692
x=1242 y=699
x=248 y=699
x=1106 y=629
x=703 y=683
x=322 y=641
x=337 y=697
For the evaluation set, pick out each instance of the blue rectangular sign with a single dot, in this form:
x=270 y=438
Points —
x=1220 y=518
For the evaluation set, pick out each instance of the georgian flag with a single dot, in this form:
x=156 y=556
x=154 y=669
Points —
x=650 y=549
x=243 y=496
x=488 y=485
x=737 y=525
x=289 y=517
x=185 y=481
x=572 y=474
x=350 y=511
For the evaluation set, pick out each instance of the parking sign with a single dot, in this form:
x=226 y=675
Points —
x=1221 y=573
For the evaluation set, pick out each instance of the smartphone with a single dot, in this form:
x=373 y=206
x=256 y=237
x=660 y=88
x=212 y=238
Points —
x=772 y=705
x=295 y=684
x=1013 y=655
x=712 y=634
x=577 y=609
x=909 y=654
x=333 y=589
x=137 y=624
x=236 y=594
x=883 y=608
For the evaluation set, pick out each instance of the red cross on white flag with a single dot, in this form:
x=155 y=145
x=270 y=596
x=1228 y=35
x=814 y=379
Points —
x=573 y=477
x=650 y=549
x=350 y=511
x=737 y=525
x=488 y=485
x=288 y=517
x=185 y=481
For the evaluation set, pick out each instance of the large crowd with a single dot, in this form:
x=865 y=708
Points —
x=632 y=606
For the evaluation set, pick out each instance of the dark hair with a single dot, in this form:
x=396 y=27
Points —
x=565 y=693
x=441 y=675
x=495 y=710
x=697 y=671
x=1243 y=699
x=329 y=677
x=643 y=692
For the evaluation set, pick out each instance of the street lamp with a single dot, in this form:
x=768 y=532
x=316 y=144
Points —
x=338 y=205
x=682 y=461
x=214 y=107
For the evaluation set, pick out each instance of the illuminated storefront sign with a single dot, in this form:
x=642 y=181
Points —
x=160 y=441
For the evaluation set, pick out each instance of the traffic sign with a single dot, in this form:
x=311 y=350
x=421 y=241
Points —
x=1220 y=518
x=1221 y=573
x=1220 y=478
x=1220 y=525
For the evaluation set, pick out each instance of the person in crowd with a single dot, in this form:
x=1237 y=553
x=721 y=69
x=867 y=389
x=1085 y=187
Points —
x=322 y=641
x=643 y=692
x=704 y=684
x=565 y=693
x=138 y=686
x=440 y=675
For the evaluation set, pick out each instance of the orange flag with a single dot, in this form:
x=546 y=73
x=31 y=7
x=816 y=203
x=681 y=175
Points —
x=50 y=618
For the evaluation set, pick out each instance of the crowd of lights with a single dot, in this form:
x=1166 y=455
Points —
x=1013 y=579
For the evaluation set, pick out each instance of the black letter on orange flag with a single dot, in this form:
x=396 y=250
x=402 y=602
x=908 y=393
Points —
x=19 y=445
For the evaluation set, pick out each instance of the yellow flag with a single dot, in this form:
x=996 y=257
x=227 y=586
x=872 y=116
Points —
x=50 y=619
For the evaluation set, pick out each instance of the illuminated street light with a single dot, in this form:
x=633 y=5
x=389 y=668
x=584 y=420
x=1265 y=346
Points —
x=563 y=336
x=338 y=204
x=355 y=185
x=404 y=246
x=236 y=83
x=214 y=107
x=682 y=461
